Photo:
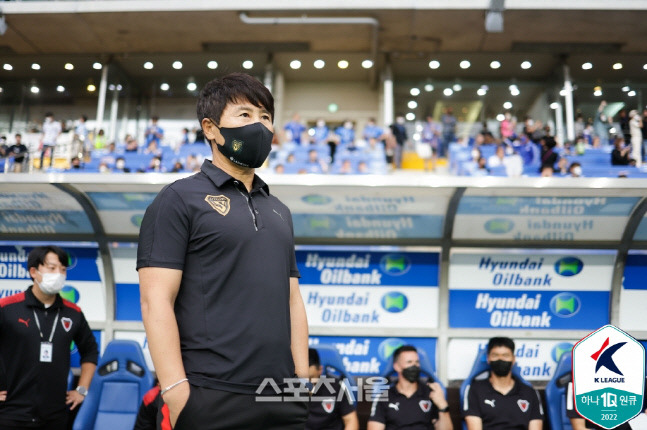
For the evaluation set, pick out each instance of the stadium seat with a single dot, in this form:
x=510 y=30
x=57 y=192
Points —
x=556 y=394
x=426 y=370
x=481 y=370
x=120 y=382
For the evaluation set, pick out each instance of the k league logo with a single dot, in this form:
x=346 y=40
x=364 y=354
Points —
x=608 y=377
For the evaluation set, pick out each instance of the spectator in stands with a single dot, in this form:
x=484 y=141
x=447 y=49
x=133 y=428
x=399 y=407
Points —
x=294 y=130
x=19 y=152
x=623 y=120
x=279 y=169
x=601 y=126
x=562 y=166
x=410 y=403
x=154 y=133
x=75 y=163
x=320 y=133
x=549 y=155
x=372 y=133
x=153 y=148
x=496 y=159
x=331 y=405
x=51 y=131
x=448 y=121
x=37 y=327
x=185 y=139
x=502 y=401
x=81 y=139
x=528 y=150
x=104 y=168
x=547 y=171
x=620 y=156
x=481 y=168
x=362 y=168
x=431 y=135
x=346 y=167
x=346 y=134
x=177 y=167
x=156 y=165
x=528 y=127
x=635 y=130
x=100 y=140
x=575 y=170
x=192 y=163
x=507 y=127
x=399 y=132
x=579 y=125
x=131 y=144
x=315 y=164
x=120 y=166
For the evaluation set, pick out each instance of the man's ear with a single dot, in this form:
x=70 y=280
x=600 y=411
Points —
x=210 y=130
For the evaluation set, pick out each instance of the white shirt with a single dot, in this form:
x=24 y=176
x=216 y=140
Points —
x=51 y=130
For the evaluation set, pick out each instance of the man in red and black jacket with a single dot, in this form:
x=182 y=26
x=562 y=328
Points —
x=37 y=328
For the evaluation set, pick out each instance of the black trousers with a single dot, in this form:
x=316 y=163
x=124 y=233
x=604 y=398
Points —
x=55 y=424
x=209 y=409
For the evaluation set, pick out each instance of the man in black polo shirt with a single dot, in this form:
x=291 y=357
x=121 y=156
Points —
x=501 y=401
x=37 y=327
x=410 y=403
x=331 y=406
x=218 y=277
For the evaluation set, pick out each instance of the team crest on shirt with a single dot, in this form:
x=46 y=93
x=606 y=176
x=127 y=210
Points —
x=425 y=405
x=328 y=405
x=523 y=405
x=219 y=203
x=66 y=323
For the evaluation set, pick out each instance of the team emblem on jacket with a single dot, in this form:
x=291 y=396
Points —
x=219 y=203
x=67 y=323
x=328 y=405
x=523 y=405
x=425 y=405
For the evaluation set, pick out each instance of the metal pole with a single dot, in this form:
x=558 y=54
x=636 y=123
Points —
x=101 y=104
x=388 y=95
x=559 y=123
x=114 y=106
x=568 y=101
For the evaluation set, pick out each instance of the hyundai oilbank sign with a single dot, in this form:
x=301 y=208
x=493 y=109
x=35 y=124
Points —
x=561 y=289
x=538 y=218
x=83 y=286
x=369 y=289
x=633 y=296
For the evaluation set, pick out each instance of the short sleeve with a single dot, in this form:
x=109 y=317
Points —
x=537 y=412
x=86 y=342
x=378 y=411
x=346 y=405
x=164 y=233
x=471 y=405
x=294 y=270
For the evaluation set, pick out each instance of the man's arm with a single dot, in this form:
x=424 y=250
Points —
x=536 y=424
x=299 y=328
x=350 y=421
x=577 y=423
x=158 y=289
x=74 y=398
x=374 y=425
x=437 y=396
x=474 y=422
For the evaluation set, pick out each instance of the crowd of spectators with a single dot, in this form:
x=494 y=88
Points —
x=527 y=148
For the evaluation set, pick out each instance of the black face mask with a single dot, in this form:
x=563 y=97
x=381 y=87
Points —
x=411 y=373
x=246 y=146
x=501 y=367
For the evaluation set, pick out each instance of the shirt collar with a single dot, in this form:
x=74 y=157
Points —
x=32 y=301
x=219 y=177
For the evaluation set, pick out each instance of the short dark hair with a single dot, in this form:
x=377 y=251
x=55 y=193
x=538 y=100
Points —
x=48 y=114
x=84 y=118
x=313 y=357
x=18 y=135
x=401 y=349
x=37 y=256
x=231 y=88
x=500 y=341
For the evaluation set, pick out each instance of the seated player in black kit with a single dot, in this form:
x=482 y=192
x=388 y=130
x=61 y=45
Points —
x=331 y=406
x=501 y=401
x=410 y=403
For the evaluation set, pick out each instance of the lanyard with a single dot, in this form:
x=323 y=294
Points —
x=51 y=335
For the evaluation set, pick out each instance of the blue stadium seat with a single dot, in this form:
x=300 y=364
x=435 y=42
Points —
x=426 y=369
x=333 y=367
x=480 y=370
x=556 y=394
x=120 y=382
